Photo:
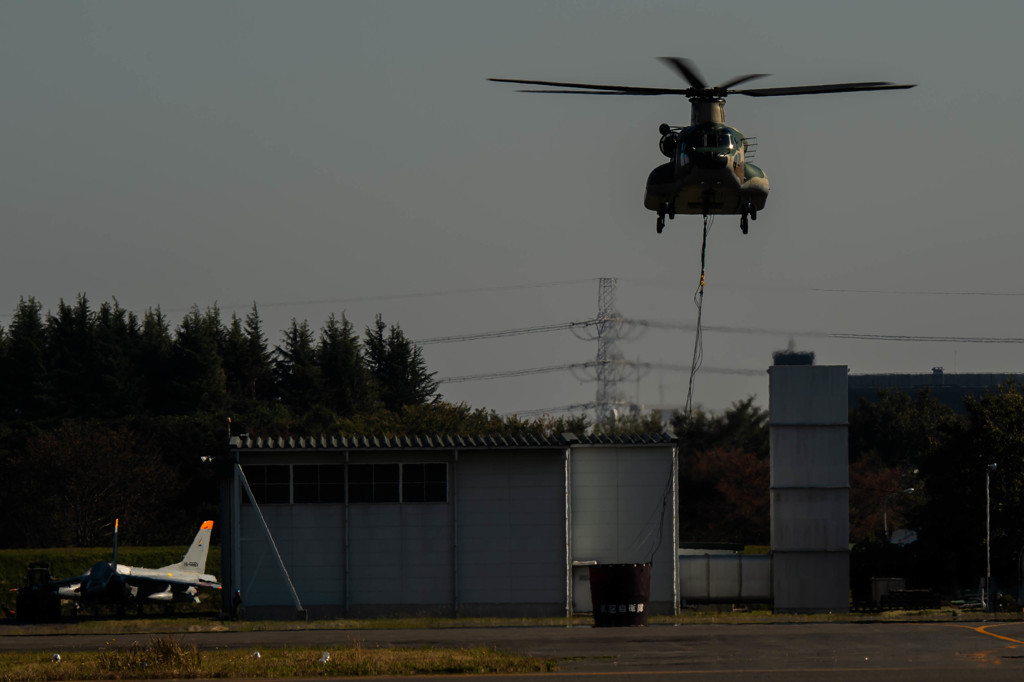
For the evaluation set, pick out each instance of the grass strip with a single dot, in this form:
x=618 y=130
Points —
x=168 y=658
x=184 y=623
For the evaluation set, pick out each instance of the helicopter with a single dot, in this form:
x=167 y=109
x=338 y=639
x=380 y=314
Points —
x=708 y=172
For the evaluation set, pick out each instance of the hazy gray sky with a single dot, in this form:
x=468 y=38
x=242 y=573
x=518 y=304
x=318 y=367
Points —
x=319 y=157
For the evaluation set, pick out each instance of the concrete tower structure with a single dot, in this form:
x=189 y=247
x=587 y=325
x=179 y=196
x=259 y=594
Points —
x=810 y=488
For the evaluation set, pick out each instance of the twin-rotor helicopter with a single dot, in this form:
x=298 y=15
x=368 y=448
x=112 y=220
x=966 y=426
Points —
x=708 y=172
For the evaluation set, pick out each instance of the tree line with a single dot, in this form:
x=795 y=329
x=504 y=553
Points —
x=916 y=465
x=80 y=362
x=916 y=461
x=104 y=414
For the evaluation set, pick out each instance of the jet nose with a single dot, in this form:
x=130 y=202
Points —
x=711 y=160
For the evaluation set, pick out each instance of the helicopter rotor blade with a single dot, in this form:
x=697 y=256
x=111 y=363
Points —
x=582 y=88
x=740 y=79
x=687 y=69
x=820 y=89
x=595 y=92
x=699 y=88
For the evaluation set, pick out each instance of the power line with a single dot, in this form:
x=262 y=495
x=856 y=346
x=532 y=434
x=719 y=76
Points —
x=380 y=297
x=515 y=373
x=423 y=294
x=723 y=329
x=558 y=326
x=930 y=339
x=654 y=324
x=898 y=292
x=673 y=285
x=485 y=376
x=710 y=370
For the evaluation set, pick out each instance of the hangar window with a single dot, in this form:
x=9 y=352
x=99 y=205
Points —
x=318 y=483
x=373 y=482
x=269 y=483
x=325 y=483
x=425 y=482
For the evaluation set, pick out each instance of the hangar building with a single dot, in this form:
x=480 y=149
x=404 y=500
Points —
x=496 y=526
x=948 y=388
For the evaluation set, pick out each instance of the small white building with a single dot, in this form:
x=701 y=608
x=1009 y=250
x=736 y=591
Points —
x=464 y=526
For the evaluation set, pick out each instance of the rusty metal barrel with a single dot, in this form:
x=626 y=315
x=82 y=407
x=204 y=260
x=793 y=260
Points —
x=620 y=594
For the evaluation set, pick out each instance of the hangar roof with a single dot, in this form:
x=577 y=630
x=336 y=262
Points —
x=245 y=442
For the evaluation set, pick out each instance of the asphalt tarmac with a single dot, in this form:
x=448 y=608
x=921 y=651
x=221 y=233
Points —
x=766 y=652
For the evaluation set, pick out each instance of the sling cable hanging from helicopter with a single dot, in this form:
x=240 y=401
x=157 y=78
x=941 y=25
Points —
x=698 y=300
x=698 y=358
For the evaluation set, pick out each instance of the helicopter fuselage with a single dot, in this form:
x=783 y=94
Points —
x=707 y=173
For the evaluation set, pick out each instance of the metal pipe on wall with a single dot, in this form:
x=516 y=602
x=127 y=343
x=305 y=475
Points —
x=455 y=532
x=347 y=529
x=236 y=528
x=675 y=529
x=270 y=540
x=568 y=533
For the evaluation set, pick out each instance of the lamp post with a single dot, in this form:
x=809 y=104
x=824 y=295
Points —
x=885 y=509
x=988 y=538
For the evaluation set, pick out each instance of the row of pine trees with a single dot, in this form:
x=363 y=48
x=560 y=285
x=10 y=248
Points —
x=107 y=363
x=126 y=408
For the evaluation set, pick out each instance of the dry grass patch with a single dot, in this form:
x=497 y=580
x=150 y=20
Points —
x=167 y=658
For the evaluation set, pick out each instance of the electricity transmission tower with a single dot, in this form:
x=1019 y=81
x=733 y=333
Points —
x=609 y=366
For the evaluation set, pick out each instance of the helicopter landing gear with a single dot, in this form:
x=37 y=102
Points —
x=748 y=210
x=666 y=209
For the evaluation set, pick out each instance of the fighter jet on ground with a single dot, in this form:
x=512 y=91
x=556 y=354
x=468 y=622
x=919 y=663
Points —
x=112 y=583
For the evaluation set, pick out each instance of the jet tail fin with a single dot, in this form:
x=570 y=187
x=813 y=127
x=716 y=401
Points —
x=114 y=562
x=195 y=558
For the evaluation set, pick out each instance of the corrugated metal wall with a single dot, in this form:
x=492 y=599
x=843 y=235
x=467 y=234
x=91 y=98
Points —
x=499 y=545
x=623 y=503
x=400 y=554
x=512 y=533
x=311 y=546
x=725 y=578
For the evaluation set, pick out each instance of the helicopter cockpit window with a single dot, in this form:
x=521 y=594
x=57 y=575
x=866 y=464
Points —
x=718 y=139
